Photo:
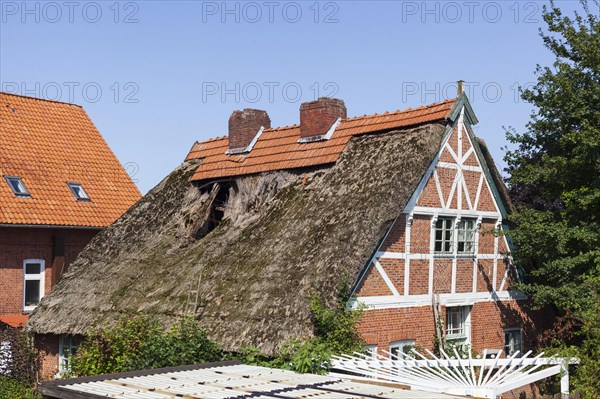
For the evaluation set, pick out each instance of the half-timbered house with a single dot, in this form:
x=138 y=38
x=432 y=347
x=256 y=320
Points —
x=406 y=207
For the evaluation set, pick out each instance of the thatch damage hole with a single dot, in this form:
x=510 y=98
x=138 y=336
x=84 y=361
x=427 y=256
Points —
x=215 y=212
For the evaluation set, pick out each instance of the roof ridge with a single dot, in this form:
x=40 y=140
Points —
x=352 y=118
x=40 y=99
x=399 y=111
x=211 y=140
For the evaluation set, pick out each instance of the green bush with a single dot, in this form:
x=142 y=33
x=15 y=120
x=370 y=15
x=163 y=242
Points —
x=11 y=388
x=139 y=343
x=335 y=330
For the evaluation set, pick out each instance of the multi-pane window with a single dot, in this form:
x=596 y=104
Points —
x=466 y=236
x=33 y=283
x=78 y=191
x=399 y=348
x=513 y=341
x=446 y=241
x=67 y=349
x=17 y=186
x=444 y=235
x=457 y=324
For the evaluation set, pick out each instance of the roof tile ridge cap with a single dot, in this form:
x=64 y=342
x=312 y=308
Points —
x=399 y=111
x=210 y=140
x=278 y=128
x=40 y=99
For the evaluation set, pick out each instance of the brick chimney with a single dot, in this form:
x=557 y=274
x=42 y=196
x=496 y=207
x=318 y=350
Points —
x=243 y=126
x=316 y=117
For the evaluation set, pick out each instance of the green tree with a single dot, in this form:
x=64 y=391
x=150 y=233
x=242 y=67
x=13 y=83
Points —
x=555 y=183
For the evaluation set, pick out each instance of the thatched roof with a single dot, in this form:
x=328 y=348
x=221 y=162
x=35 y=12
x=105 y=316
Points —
x=285 y=236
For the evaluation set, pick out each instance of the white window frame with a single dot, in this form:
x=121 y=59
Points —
x=398 y=347
x=464 y=337
x=65 y=342
x=41 y=277
x=444 y=220
x=458 y=234
x=466 y=236
x=371 y=350
x=512 y=343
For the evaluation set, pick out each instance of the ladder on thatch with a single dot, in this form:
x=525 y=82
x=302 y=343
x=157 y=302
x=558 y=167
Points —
x=193 y=295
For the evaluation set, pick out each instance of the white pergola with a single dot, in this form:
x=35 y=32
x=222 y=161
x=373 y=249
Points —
x=482 y=377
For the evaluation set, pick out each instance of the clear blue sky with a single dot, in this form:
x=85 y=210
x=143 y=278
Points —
x=155 y=76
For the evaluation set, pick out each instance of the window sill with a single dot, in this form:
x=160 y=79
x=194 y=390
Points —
x=452 y=256
x=456 y=338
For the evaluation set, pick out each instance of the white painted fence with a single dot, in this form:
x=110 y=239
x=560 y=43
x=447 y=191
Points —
x=481 y=377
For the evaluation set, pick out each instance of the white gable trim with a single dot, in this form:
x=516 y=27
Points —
x=458 y=187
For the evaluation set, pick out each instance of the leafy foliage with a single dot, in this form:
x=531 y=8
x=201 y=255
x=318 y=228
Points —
x=18 y=359
x=554 y=181
x=12 y=388
x=140 y=342
x=335 y=330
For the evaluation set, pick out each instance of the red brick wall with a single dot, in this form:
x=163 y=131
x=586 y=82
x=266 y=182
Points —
x=47 y=348
x=384 y=326
x=20 y=243
x=419 y=277
x=381 y=327
x=373 y=284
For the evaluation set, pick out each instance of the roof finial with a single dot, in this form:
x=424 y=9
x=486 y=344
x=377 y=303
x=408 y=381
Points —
x=460 y=88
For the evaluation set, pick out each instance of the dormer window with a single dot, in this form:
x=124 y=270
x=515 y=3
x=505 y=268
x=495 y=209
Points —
x=17 y=186
x=78 y=191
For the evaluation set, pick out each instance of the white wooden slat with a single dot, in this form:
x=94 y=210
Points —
x=485 y=378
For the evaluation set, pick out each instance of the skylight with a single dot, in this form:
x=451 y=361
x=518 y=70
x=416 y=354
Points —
x=17 y=186
x=78 y=191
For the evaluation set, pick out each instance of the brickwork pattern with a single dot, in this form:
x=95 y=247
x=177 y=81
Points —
x=20 y=243
x=244 y=125
x=459 y=186
x=316 y=117
x=383 y=326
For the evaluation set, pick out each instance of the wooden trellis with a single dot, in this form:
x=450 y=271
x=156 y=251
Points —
x=487 y=376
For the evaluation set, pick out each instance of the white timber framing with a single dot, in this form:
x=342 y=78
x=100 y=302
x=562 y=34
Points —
x=455 y=299
x=452 y=205
x=409 y=221
x=385 y=277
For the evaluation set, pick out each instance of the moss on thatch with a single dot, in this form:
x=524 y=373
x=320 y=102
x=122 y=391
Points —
x=284 y=237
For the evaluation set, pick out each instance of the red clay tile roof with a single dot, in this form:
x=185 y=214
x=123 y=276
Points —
x=48 y=144
x=14 y=320
x=278 y=148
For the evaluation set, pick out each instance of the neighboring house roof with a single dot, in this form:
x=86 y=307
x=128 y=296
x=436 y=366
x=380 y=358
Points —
x=286 y=235
x=225 y=380
x=278 y=148
x=14 y=320
x=48 y=144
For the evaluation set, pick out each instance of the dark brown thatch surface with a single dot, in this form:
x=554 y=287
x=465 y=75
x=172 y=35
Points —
x=285 y=237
